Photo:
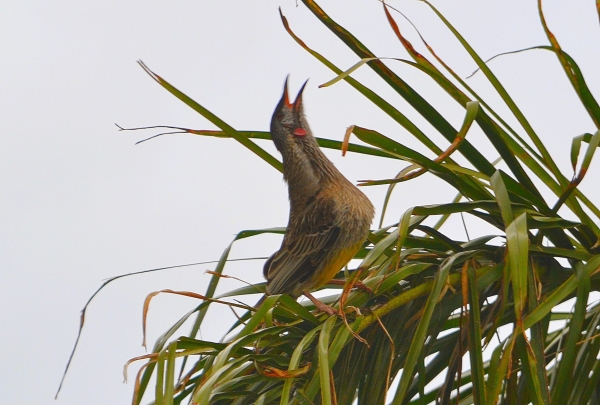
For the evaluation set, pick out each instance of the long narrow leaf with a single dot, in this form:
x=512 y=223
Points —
x=400 y=86
x=564 y=381
x=518 y=257
x=502 y=92
x=475 y=349
x=421 y=332
x=324 y=369
x=267 y=157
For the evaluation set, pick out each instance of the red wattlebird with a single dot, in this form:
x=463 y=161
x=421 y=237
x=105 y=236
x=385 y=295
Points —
x=329 y=216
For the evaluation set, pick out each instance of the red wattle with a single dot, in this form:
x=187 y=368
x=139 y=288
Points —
x=299 y=132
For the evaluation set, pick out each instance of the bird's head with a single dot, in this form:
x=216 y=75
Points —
x=288 y=125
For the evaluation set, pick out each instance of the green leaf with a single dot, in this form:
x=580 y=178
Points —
x=170 y=374
x=401 y=87
x=566 y=367
x=589 y=153
x=503 y=94
x=518 y=258
x=502 y=197
x=560 y=293
x=576 y=147
x=215 y=120
x=323 y=350
x=501 y=358
x=421 y=332
x=368 y=93
x=295 y=362
x=475 y=349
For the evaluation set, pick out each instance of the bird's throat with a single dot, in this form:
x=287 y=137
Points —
x=306 y=169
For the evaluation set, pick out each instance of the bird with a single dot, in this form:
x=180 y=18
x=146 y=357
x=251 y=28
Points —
x=329 y=217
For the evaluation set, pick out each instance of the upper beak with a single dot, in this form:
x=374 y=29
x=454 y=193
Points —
x=298 y=102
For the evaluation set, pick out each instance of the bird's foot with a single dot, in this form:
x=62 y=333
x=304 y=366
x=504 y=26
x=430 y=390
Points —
x=320 y=305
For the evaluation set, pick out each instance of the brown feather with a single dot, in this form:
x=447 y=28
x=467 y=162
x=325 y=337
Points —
x=329 y=216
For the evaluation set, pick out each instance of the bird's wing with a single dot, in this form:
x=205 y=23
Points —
x=305 y=246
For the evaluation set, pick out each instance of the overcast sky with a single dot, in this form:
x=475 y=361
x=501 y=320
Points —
x=80 y=202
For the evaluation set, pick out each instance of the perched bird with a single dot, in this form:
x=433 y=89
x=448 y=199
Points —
x=329 y=216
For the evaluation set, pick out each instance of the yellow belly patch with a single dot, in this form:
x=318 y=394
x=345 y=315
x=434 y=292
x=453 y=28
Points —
x=334 y=266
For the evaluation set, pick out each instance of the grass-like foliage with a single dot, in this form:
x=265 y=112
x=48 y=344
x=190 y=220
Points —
x=438 y=304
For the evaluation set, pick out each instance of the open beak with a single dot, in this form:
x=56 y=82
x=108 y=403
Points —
x=296 y=106
x=286 y=98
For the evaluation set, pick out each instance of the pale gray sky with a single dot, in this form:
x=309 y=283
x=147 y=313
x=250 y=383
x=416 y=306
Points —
x=81 y=203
